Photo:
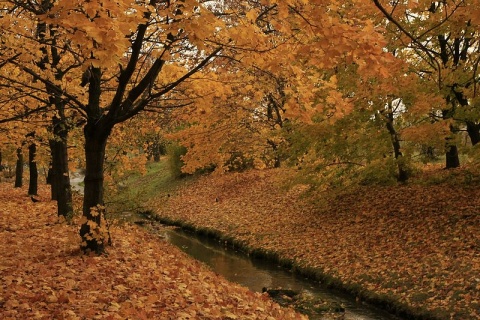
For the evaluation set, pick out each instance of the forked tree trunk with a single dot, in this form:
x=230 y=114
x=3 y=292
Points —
x=19 y=169
x=93 y=231
x=32 y=164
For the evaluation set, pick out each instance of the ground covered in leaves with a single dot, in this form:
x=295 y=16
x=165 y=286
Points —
x=44 y=276
x=416 y=246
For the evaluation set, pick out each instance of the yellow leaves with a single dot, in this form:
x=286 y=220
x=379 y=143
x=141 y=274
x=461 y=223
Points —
x=97 y=27
x=252 y=15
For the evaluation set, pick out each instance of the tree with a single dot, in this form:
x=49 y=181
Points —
x=32 y=164
x=97 y=64
x=117 y=51
x=19 y=169
x=25 y=83
x=439 y=39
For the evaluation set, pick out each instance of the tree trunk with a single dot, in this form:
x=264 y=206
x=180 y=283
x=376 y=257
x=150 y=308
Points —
x=50 y=176
x=276 y=157
x=32 y=164
x=473 y=130
x=402 y=172
x=52 y=171
x=452 y=160
x=19 y=169
x=60 y=179
x=93 y=231
x=156 y=149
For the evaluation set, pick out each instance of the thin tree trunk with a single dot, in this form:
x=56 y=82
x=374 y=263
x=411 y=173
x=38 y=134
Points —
x=402 y=172
x=50 y=178
x=19 y=169
x=276 y=157
x=51 y=173
x=156 y=147
x=32 y=164
x=60 y=179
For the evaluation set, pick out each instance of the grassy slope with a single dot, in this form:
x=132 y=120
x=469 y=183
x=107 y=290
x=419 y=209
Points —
x=414 y=247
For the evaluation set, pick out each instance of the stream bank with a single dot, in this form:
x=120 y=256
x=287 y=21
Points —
x=412 y=249
x=257 y=273
x=415 y=246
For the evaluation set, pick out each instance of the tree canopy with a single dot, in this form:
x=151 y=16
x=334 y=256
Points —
x=357 y=85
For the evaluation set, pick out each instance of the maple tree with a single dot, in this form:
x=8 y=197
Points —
x=39 y=97
x=294 y=82
x=120 y=45
x=439 y=39
x=67 y=42
x=245 y=81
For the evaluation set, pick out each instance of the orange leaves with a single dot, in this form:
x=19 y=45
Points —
x=44 y=275
x=98 y=28
x=416 y=244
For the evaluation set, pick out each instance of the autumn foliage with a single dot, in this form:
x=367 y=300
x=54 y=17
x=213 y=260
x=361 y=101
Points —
x=415 y=246
x=349 y=92
x=45 y=276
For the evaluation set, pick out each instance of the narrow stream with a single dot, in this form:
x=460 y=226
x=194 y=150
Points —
x=257 y=273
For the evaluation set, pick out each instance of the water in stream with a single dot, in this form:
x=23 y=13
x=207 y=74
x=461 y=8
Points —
x=256 y=274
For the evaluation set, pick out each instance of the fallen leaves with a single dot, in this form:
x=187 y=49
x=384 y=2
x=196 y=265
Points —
x=417 y=244
x=44 y=275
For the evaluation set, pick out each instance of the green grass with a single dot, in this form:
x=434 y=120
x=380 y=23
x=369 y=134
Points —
x=138 y=189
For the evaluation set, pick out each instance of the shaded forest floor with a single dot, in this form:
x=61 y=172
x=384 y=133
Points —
x=44 y=276
x=415 y=248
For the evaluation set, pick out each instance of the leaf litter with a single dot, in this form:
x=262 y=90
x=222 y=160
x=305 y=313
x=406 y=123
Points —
x=45 y=276
x=416 y=244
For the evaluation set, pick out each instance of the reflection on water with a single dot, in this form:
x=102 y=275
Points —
x=256 y=273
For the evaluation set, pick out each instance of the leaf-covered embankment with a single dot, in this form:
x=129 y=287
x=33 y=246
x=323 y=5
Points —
x=44 y=276
x=414 y=248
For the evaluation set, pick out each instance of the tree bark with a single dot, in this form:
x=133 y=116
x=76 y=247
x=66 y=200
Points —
x=49 y=178
x=473 y=130
x=389 y=117
x=276 y=157
x=19 y=169
x=61 y=188
x=452 y=160
x=32 y=164
x=402 y=172
x=93 y=231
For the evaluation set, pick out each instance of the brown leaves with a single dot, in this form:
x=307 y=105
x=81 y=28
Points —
x=418 y=244
x=44 y=276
